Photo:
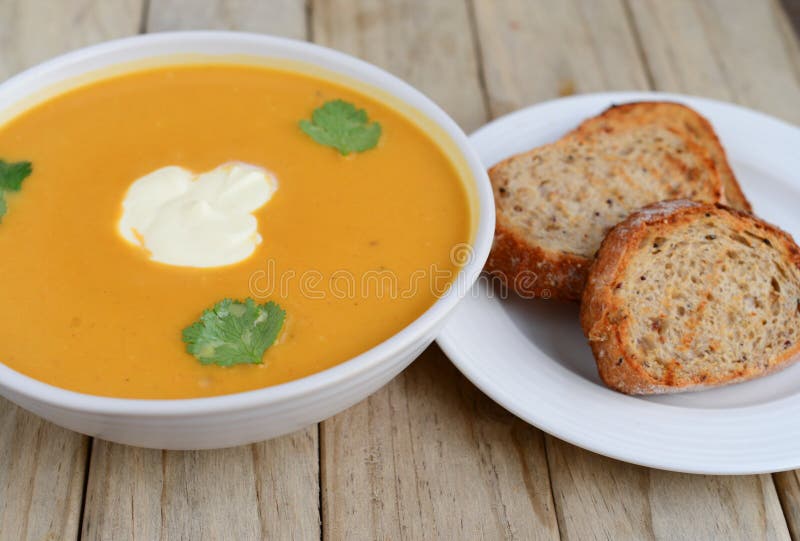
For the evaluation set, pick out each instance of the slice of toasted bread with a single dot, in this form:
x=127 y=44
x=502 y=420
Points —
x=684 y=295
x=679 y=117
x=555 y=203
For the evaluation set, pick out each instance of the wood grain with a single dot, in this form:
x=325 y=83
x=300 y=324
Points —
x=268 y=490
x=581 y=47
x=34 y=30
x=601 y=498
x=262 y=491
x=42 y=467
x=430 y=457
x=788 y=487
x=427 y=457
x=285 y=18
x=752 y=59
x=700 y=48
x=429 y=44
x=538 y=50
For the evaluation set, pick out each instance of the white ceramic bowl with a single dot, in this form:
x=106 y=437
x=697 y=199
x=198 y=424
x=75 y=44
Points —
x=266 y=413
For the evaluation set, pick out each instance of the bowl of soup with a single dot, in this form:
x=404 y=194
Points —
x=216 y=238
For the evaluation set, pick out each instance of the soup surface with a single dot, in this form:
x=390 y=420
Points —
x=354 y=247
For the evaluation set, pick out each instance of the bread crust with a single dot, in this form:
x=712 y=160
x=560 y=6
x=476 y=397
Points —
x=683 y=118
x=558 y=275
x=532 y=272
x=529 y=270
x=604 y=325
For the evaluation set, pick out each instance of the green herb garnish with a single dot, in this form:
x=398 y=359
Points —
x=234 y=332
x=340 y=125
x=11 y=177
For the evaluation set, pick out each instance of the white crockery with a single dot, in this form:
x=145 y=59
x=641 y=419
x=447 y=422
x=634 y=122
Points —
x=532 y=357
x=266 y=413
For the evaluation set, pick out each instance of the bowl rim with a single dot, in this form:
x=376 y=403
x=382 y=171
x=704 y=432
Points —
x=17 y=384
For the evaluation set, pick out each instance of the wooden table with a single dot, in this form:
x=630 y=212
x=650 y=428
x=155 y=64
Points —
x=429 y=456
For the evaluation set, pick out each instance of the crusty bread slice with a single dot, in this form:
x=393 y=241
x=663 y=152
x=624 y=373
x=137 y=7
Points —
x=679 y=117
x=556 y=202
x=684 y=295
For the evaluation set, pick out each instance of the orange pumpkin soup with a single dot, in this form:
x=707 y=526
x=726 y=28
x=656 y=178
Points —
x=353 y=248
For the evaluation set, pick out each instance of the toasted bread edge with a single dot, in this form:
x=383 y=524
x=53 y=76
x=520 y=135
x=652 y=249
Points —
x=606 y=337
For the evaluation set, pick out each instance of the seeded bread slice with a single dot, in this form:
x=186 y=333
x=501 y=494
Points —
x=556 y=202
x=684 y=296
x=679 y=117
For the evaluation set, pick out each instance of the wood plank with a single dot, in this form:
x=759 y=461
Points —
x=788 y=487
x=34 y=30
x=428 y=44
x=788 y=483
x=267 y=490
x=285 y=18
x=597 y=497
x=601 y=498
x=792 y=8
x=701 y=48
x=538 y=50
x=42 y=467
x=431 y=457
x=751 y=59
x=428 y=456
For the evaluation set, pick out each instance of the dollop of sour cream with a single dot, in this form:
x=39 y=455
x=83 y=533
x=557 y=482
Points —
x=182 y=218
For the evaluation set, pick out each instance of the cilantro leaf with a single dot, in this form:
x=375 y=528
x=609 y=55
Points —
x=340 y=125
x=12 y=174
x=11 y=177
x=234 y=332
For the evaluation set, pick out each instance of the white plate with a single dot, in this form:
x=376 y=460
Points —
x=532 y=358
